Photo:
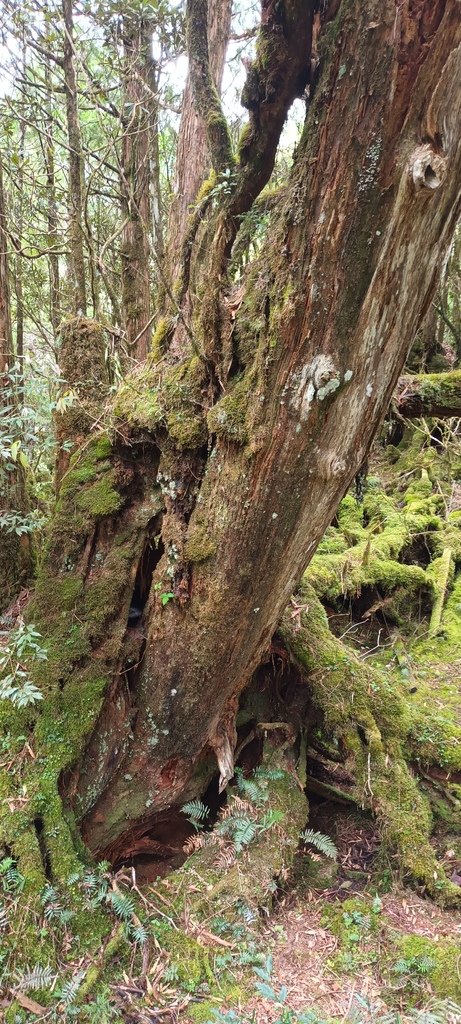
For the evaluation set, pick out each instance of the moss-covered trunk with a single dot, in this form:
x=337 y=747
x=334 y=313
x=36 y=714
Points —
x=227 y=467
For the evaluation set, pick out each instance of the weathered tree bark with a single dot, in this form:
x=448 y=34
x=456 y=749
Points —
x=429 y=394
x=76 y=167
x=18 y=268
x=138 y=102
x=194 y=526
x=6 y=339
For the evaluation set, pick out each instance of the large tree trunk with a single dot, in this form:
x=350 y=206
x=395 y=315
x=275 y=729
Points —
x=227 y=467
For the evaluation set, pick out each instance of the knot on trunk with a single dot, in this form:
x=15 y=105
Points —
x=427 y=168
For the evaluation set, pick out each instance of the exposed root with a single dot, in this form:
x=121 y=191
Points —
x=367 y=716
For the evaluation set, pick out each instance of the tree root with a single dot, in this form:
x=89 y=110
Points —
x=369 y=719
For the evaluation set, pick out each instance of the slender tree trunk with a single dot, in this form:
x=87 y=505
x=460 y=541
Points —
x=18 y=269
x=193 y=164
x=76 y=167
x=138 y=103
x=193 y=159
x=158 y=228
x=6 y=338
x=52 y=211
x=178 y=543
x=14 y=550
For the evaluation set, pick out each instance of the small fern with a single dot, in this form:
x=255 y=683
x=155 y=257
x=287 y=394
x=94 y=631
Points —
x=253 y=789
x=11 y=879
x=139 y=934
x=122 y=904
x=242 y=831
x=322 y=843
x=438 y=1012
x=70 y=988
x=422 y=965
x=196 y=812
x=35 y=978
x=268 y=774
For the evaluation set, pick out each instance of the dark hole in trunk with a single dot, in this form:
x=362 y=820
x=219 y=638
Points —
x=150 y=557
x=40 y=832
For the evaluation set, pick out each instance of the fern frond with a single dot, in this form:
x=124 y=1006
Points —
x=139 y=934
x=35 y=978
x=322 y=843
x=244 y=806
x=122 y=904
x=242 y=831
x=194 y=843
x=70 y=988
x=196 y=812
x=227 y=856
x=269 y=774
x=48 y=895
x=250 y=788
x=439 y=1012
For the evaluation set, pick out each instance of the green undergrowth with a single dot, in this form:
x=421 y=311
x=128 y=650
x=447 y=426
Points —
x=412 y=967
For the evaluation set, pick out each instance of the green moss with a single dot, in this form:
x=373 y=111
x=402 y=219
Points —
x=160 y=337
x=228 y=417
x=207 y=186
x=199 y=545
x=366 y=712
x=372 y=555
x=101 y=498
x=443 y=975
x=245 y=139
x=167 y=397
x=229 y=994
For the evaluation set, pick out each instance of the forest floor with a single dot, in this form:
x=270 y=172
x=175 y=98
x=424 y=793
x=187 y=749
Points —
x=345 y=942
x=347 y=953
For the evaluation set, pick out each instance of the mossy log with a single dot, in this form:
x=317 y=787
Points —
x=365 y=549
x=442 y=570
x=429 y=394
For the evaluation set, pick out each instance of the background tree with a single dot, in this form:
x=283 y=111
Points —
x=14 y=548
